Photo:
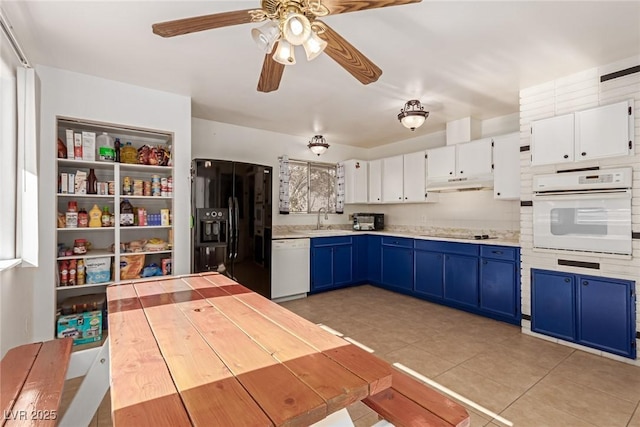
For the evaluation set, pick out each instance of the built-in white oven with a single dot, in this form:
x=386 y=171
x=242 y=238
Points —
x=585 y=211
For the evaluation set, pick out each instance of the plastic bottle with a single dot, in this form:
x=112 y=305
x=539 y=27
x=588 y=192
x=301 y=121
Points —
x=64 y=273
x=92 y=182
x=95 y=217
x=106 y=217
x=128 y=154
x=83 y=218
x=118 y=145
x=106 y=149
x=72 y=272
x=80 y=272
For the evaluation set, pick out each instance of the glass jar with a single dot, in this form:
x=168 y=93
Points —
x=80 y=246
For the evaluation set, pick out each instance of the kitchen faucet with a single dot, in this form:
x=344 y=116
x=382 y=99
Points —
x=325 y=217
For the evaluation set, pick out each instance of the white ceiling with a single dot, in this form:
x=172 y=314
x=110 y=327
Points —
x=459 y=58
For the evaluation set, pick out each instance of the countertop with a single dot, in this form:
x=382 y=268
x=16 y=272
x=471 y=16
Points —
x=301 y=234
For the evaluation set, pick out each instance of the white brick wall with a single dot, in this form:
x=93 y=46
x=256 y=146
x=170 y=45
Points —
x=569 y=94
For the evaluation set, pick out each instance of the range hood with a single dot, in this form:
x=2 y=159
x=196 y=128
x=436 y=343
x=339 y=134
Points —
x=480 y=182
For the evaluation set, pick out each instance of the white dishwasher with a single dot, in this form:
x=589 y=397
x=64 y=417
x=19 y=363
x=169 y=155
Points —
x=290 y=277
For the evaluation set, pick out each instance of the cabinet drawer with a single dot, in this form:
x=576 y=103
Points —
x=397 y=241
x=448 y=247
x=498 y=252
x=330 y=241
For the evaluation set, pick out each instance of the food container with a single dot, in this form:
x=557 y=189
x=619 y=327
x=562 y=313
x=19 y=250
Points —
x=127 y=186
x=80 y=246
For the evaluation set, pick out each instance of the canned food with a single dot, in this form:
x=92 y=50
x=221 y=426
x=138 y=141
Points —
x=146 y=188
x=127 y=188
x=112 y=188
x=137 y=187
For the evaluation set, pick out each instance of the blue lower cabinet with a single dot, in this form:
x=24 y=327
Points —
x=553 y=304
x=331 y=263
x=360 y=261
x=397 y=267
x=461 y=279
x=429 y=273
x=593 y=311
x=498 y=291
x=374 y=259
x=606 y=314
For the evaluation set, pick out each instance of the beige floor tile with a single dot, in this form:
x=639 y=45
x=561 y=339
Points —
x=358 y=410
x=419 y=360
x=530 y=412
x=453 y=348
x=379 y=340
x=581 y=401
x=506 y=370
x=533 y=351
x=613 y=377
x=367 y=420
x=478 y=388
x=635 y=419
x=477 y=419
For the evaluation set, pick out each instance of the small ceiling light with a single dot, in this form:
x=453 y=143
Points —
x=314 y=46
x=284 y=53
x=266 y=36
x=296 y=28
x=412 y=116
x=318 y=145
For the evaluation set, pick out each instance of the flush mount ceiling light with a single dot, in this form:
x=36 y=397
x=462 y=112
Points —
x=412 y=116
x=318 y=144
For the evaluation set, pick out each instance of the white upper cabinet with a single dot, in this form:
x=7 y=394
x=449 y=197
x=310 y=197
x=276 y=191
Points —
x=506 y=172
x=473 y=158
x=441 y=162
x=552 y=140
x=375 y=181
x=392 y=184
x=355 y=179
x=604 y=131
x=596 y=133
x=414 y=176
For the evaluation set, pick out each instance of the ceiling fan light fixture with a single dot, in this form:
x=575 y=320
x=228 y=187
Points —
x=412 y=116
x=266 y=36
x=314 y=46
x=318 y=145
x=284 y=53
x=296 y=28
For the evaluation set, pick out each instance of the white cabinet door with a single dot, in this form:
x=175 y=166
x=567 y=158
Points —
x=414 y=177
x=552 y=140
x=603 y=131
x=392 y=172
x=375 y=181
x=355 y=179
x=473 y=158
x=506 y=172
x=441 y=163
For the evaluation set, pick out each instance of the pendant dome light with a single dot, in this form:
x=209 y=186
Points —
x=318 y=145
x=412 y=116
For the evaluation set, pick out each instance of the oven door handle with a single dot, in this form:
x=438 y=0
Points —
x=582 y=195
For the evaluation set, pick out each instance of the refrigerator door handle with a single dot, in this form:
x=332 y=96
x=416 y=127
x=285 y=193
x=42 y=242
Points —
x=231 y=229
x=236 y=222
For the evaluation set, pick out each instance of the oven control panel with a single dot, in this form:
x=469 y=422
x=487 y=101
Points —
x=584 y=180
x=605 y=178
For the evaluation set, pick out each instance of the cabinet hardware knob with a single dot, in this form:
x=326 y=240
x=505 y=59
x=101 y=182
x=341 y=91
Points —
x=461 y=171
x=399 y=198
x=450 y=173
x=566 y=156
x=567 y=280
x=498 y=193
x=584 y=153
x=405 y=198
x=585 y=283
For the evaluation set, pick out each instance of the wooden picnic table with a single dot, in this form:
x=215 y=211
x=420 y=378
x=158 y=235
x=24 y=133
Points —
x=204 y=350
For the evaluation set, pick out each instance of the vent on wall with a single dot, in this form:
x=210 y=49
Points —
x=621 y=73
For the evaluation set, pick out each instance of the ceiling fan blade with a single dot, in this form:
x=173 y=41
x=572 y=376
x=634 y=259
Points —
x=201 y=23
x=271 y=74
x=344 y=6
x=350 y=58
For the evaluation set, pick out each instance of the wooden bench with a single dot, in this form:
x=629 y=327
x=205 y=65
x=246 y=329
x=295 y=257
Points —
x=33 y=376
x=411 y=403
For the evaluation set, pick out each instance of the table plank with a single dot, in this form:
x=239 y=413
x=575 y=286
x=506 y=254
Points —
x=280 y=394
x=374 y=371
x=142 y=391
x=42 y=390
x=402 y=411
x=209 y=390
x=14 y=369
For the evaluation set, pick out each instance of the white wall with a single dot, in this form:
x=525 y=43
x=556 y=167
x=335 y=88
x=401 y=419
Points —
x=86 y=97
x=221 y=141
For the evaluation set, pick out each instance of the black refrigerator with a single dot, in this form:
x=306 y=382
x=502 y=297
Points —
x=231 y=212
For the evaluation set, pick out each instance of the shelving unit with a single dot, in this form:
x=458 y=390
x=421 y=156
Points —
x=107 y=242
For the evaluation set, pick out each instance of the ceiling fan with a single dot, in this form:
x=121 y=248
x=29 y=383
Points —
x=291 y=23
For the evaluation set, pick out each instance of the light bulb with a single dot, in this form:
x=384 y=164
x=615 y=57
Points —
x=314 y=46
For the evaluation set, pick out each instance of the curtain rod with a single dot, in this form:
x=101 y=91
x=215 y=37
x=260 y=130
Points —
x=6 y=30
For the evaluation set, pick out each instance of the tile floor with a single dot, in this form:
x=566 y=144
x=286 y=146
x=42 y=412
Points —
x=528 y=381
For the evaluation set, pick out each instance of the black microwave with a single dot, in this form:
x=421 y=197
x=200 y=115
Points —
x=368 y=221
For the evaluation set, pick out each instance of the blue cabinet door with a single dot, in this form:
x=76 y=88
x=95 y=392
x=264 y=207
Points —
x=461 y=279
x=342 y=265
x=553 y=304
x=360 y=254
x=429 y=277
x=605 y=314
x=397 y=267
x=321 y=268
x=498 y=287
x=374 y=258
